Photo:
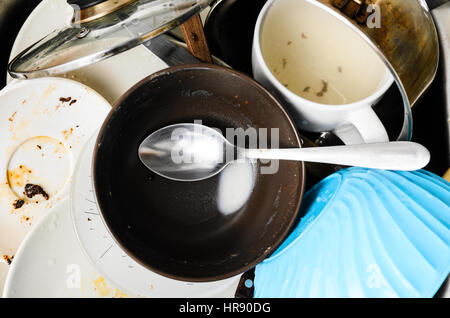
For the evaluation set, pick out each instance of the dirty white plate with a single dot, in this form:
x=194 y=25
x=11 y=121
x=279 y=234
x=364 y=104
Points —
x=109 y=258
x=112 y=77
x=50 y=263
x=44 y=125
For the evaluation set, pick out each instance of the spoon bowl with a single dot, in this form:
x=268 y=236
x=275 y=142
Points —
x=185 y=152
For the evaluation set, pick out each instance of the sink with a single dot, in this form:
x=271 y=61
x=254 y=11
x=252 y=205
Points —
x=431 y=113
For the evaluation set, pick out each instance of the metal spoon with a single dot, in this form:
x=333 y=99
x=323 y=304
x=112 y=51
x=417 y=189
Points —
x=192 y=152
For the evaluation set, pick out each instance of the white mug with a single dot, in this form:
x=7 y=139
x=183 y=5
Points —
x=294 y=26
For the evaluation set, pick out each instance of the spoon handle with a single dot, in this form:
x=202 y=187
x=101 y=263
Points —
x=403 y=156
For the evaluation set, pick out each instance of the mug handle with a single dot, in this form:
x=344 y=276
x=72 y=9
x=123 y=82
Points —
x=362 y=126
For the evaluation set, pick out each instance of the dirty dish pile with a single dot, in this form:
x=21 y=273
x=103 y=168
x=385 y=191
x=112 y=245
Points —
x=148 y=234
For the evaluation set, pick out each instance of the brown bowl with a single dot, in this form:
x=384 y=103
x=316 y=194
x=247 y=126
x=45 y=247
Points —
x=175 y=228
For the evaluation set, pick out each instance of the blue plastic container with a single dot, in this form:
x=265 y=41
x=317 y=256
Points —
x=365 y=233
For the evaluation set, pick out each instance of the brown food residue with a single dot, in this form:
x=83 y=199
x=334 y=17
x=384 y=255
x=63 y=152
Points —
x=11 y=119
x=72 y=102
x=324 y=89
x=31 y=190
x=18 y=204
x=65 y=99
x=340 y=69
x=8 y=259
x=307 y=88
x=289 y=43
x=67 y=133
x=284 y=61
x=304 y=36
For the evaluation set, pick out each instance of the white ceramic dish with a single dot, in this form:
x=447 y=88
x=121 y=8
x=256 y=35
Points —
x=108 y=257
x=41 y=138
x=49 y=263
x=112 y=77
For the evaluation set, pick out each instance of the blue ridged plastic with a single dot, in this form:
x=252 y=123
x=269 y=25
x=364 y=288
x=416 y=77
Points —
x=365 y=233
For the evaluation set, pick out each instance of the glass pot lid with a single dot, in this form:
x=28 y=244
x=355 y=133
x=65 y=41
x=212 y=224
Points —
x=101 y=29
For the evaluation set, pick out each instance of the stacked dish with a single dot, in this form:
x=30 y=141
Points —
x=143 y=235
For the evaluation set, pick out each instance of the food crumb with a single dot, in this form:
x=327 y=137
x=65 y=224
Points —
x=67 y=133
x=289 y=43
x=8 y=259
x=304 y=36
x=65 y=100
x=18 y=204
x=72 y=102
x=11 y=119
x=39 y=147
x=307 y=88
x=31 y=190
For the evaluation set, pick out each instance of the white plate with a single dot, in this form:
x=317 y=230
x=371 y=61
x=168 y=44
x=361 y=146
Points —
x=108 y=257
x=49 y=263
x=41 y=138
x=112 y=77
